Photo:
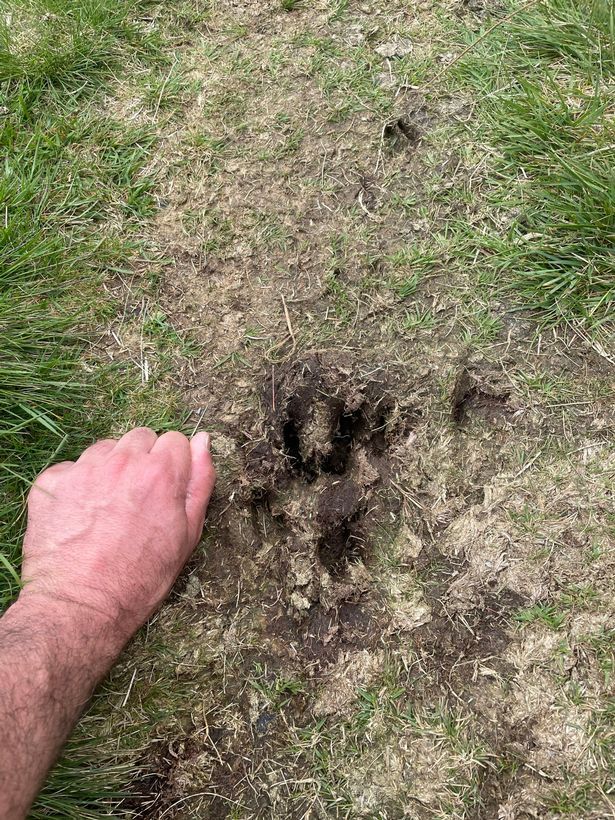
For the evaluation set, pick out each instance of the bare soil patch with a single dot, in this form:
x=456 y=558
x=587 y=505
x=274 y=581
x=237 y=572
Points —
x=402 y=603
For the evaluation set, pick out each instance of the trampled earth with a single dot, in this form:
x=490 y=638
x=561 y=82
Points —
x=402 y=605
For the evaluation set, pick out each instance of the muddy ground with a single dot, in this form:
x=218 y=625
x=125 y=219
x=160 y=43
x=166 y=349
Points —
x=401 y=605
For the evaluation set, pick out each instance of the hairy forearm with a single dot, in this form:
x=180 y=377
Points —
x=107 y=535
x=51 y=658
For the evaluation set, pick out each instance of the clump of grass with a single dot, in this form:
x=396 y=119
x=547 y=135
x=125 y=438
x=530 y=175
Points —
x=547 y=614
x=546 y=76
x=337 y=749
x=553 y=615
x=79 y=788
x=348 y=77
x=61 y=177
x=561 y=253
x=39 y=387
x=278 y=690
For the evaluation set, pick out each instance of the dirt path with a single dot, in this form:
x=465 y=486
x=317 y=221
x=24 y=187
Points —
x=402 y=605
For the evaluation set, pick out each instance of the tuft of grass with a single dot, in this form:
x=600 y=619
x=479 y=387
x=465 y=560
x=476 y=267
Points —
x=547 y=614
x=546 y=76
x=347 y=77
x=407 y=287
x=277 y=689
x=61 y=177
x=79 y=788
x=419 y=318
x=361 y=741
x=561 y=253
x=575 y=597
x=603 y=645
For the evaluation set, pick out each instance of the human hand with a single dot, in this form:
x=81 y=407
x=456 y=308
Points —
x=108 y=534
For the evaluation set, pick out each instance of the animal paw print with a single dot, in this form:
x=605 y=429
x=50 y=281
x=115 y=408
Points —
x=319 y=473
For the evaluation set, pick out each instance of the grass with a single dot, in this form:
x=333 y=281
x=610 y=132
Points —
x=66 y=171
x=72 y=191
x=366 y=742
x=348 y=78
x=79 y=788
x=544 y=83
x=547 y=614
x=75 y=195
x=277 y=690
x=574 y=598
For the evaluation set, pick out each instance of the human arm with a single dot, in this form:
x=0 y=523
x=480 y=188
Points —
x=107 y=536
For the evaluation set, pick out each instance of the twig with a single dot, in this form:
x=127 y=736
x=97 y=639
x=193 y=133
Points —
x=130 y=685
x=527 y=466
x=289 y=325
x=290 y=335
x=163 y=89
x=201 y=413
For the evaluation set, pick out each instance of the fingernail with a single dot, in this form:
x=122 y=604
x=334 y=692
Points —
x=207 y=441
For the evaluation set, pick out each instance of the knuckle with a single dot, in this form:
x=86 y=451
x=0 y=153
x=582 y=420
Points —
x=121 y=460
x=50 y=473
x=105 y=442
x=46 y=481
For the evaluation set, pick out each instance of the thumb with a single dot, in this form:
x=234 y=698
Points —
x=200 y=484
